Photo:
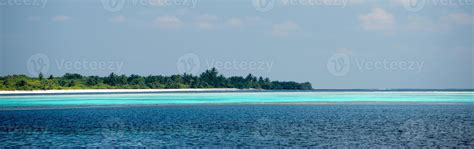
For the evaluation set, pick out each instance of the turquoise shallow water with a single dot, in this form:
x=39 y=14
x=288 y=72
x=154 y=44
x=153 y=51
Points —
x=234 y=97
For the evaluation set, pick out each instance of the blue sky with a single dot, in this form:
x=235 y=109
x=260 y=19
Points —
x=332 y=43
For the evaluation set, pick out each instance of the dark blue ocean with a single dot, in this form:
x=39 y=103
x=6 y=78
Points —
x=264 y=125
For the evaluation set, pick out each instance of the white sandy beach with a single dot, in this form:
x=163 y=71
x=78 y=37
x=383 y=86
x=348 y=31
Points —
x=79 y=91
x=115 y=91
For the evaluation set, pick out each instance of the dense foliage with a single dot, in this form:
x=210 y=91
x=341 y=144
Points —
x=208 y=79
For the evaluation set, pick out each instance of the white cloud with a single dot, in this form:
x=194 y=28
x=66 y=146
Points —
x=61 y=18
x=459 y=19
x=285 y=29
x=206 y=21
x=377 y=20
x=168 y=22
x=235 y=22
x=118 y=19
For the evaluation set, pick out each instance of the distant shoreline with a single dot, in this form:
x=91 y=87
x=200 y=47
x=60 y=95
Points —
x=112 y=91
x=201 y=90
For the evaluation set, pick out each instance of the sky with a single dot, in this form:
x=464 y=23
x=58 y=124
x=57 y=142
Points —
x=337 y=44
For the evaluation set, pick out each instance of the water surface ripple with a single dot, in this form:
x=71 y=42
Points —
x=314 y=125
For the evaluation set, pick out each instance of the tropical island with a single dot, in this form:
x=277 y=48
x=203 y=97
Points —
x=208 y=79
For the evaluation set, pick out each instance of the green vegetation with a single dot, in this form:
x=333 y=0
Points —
x=208 y=79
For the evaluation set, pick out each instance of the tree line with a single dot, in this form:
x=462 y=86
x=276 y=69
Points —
x=208 y=79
